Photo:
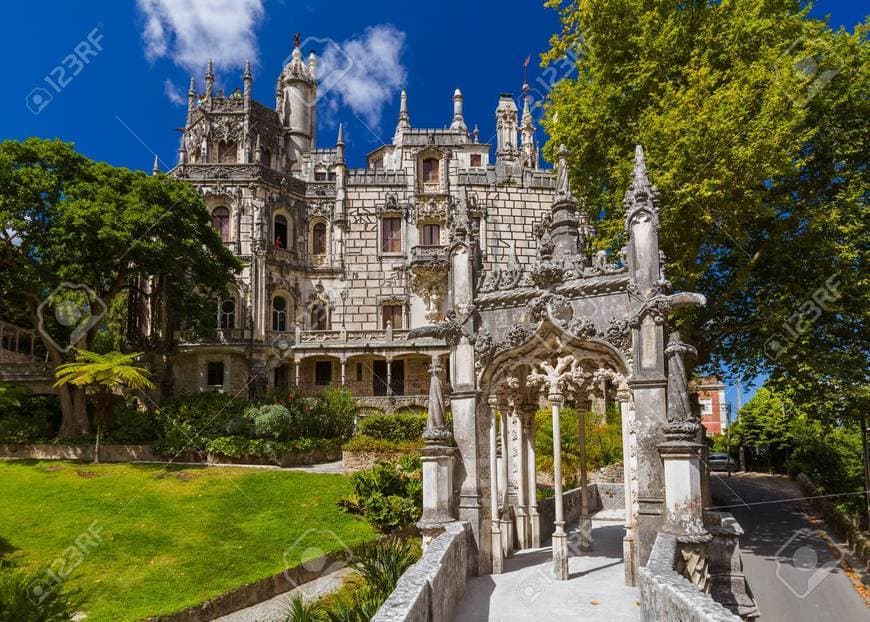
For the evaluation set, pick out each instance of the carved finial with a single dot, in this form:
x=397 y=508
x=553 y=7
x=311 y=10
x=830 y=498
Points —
x=191 y=91
x=404 y=118
x=247 y=74
x=476 y=134
x=297 y=40
x=156 y=168
x=563 y=186
x=340 y=139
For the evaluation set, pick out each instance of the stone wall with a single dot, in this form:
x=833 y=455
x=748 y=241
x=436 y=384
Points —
x=570 y=508
x=666 y=595
x=430 y=589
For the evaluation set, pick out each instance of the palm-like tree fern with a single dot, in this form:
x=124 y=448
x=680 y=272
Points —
x=104 y=374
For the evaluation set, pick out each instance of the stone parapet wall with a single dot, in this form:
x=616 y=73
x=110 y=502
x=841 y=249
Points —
x=667 y=595
x=570 y=508
x=430 y=589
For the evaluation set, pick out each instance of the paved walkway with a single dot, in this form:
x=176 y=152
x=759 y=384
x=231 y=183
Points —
x=275 y=609
x=791 y=570
x=595 y=589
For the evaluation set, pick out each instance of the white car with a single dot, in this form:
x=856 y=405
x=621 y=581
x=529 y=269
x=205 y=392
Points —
x=721 y=462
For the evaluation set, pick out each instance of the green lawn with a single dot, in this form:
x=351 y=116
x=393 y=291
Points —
x=171 y=537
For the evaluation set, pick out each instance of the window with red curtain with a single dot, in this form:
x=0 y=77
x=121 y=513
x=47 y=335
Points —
x=220 y=220
x=391 y=235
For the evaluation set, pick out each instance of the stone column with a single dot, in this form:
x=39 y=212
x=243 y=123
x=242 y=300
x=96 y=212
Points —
x=495 y=523
x=518 y=474
x=343 y=362
x=504 y=482
x=681 y=454
x=560 y=538
x=585 y=521
x=296 y=378
x=629 y=548
x=534 y=519
x=438 y=458
x=389 y=376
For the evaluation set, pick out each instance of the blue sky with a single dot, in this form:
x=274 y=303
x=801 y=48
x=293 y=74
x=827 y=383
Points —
x=118 y=106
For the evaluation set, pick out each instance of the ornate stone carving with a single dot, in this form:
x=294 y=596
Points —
x=429 y=282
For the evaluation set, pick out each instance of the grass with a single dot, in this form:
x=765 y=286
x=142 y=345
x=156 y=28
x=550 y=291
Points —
x=170 y=537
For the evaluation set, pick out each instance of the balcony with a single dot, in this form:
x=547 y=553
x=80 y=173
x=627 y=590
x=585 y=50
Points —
x=428 y=255
x=228 y=336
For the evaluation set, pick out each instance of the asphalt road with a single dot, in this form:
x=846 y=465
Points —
x=791 y=571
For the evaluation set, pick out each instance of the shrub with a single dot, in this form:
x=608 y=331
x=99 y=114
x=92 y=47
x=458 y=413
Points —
x=15 y=598
x=364 y=443
x=334 y=412
x=29 y=418
x=207 y=414
x=382 y=563
x=272 y=421
x=395 y=428
x=129 y=424
x=241 y=447
x=389 y=496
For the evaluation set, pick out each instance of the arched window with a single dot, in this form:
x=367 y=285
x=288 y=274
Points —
x=431 y=235
x=227 y=314
x=430 y=170
x=279 y=314
x=266 y=158
x=220 y=220
x=280 y=232
x=319 y=317
x=318 y=239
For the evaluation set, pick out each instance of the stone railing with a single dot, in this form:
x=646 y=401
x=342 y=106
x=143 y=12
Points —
x=667 y=595
x=428 y=254
x=222 y=335
x=430 y=589
x=375 y=176
x=238 y=172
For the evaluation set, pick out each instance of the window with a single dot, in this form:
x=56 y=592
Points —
x=430 y=171
x=391 y=313
x=322 y=373
x=227 y=314
x=318 y=239
x=377 y=163
x=475 y=160
x=391 y=235
x=279 y=314
x=214 y=374
x=220 y=220
x=431 y=235
x=319 y=317
x=227 y=152
x=359 y=372
x=706 y=407
x=280 y=232
x=320 y=176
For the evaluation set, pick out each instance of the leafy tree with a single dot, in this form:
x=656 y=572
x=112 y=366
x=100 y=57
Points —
x=764 y=425
x=118 y=235
x=753 y=117
x=105 y=374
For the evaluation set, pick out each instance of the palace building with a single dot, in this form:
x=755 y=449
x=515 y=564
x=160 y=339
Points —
x=340 y=262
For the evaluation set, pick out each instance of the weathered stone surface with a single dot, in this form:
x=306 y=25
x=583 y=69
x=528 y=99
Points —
x=431 y=588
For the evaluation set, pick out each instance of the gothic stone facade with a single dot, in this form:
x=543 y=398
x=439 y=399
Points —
x=339 y=263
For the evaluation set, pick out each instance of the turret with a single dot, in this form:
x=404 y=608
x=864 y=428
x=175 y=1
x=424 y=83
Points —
x=458 y=122
x=296 y=96
x=506 y=128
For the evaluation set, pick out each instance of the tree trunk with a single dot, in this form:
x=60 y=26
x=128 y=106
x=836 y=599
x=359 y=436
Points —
x=74 y=418
x=102 y=406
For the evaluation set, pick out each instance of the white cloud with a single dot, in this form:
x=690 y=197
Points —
x=172 y=92
x=189 y=32
x=363 y=72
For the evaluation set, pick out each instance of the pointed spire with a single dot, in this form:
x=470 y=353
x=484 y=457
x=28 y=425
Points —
x=191 y=91
x=155 y=170
x=641 y=192
x=340 y=139
x=458 y=122
x=209 y=79
x=312 y=66
x=527 y=132
x=404 y=118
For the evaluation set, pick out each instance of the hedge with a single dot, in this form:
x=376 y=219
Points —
x=395 y=427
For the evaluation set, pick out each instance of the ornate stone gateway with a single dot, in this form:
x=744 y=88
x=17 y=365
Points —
x=568 y=328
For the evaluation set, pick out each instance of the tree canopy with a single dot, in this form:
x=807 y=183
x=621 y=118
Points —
x=78 y=236
x=753 y=117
